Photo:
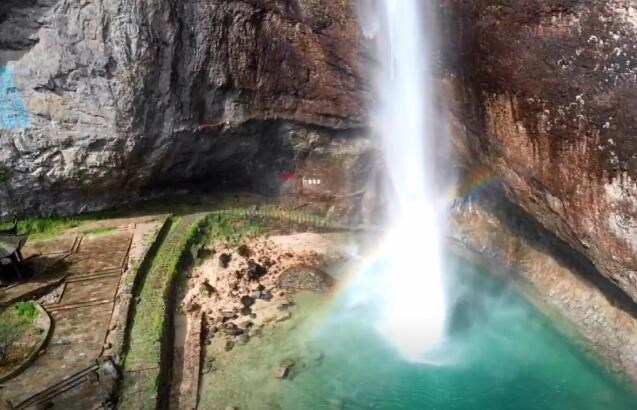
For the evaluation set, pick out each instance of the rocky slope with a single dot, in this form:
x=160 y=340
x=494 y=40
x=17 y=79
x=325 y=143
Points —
x=489 y=230
x=545 y=93
x=126 y=97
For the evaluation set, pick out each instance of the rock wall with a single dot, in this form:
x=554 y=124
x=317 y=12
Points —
x=125 y=97
x=545 y=93
x=489 y=230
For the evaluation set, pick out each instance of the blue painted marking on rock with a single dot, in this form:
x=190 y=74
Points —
x=13 y=111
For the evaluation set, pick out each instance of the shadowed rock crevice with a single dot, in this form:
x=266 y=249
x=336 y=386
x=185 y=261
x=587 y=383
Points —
x=524 y=226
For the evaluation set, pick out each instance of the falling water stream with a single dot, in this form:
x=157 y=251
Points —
x=412 y=280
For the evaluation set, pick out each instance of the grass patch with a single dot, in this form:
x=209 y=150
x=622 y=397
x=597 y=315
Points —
x=18 y=334
x=26 y=310
x=149 y=326
x=233 y=228
x=46 y=228
x=237 y=205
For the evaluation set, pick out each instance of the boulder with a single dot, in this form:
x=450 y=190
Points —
x=224 y=260
x=283 y=370
x=228 y=315
x=256 y=271
x=264 y=295
x=247 y=301
x=244 y=251
x=231 y=329
x=306 y=278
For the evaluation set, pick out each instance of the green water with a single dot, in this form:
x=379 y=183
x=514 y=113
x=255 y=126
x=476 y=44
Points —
x=501 y=354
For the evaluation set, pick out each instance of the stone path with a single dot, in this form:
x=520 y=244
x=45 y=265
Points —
x=82 y=295
x=81 y=316
x=87 y=389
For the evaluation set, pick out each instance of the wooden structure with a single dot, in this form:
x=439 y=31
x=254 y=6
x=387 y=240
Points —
x=10 y=254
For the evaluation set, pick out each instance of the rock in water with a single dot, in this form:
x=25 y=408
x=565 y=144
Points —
x=306 y=278
x=315 y=356
x=287 y=362
x=246 y=324
x=255 y=332
x=243 y=339
x=283 y=371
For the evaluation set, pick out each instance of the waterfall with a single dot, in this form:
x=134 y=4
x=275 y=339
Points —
x=412 y=305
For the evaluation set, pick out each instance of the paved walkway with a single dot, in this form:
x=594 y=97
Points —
x=81 y=314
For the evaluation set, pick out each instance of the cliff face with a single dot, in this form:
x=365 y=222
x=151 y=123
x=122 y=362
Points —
x=123 y=97
x=545 y=93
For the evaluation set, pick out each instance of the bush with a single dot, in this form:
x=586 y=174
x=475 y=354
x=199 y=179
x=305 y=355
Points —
x=26 y=310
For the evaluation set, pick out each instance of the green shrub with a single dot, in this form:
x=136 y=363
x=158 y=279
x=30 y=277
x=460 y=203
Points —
x=26 y=310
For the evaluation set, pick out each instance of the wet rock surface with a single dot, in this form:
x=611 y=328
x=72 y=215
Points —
x=563 y=284
x=306 y=278
x=544 y=94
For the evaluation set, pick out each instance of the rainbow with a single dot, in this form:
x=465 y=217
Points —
x=471 y=185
